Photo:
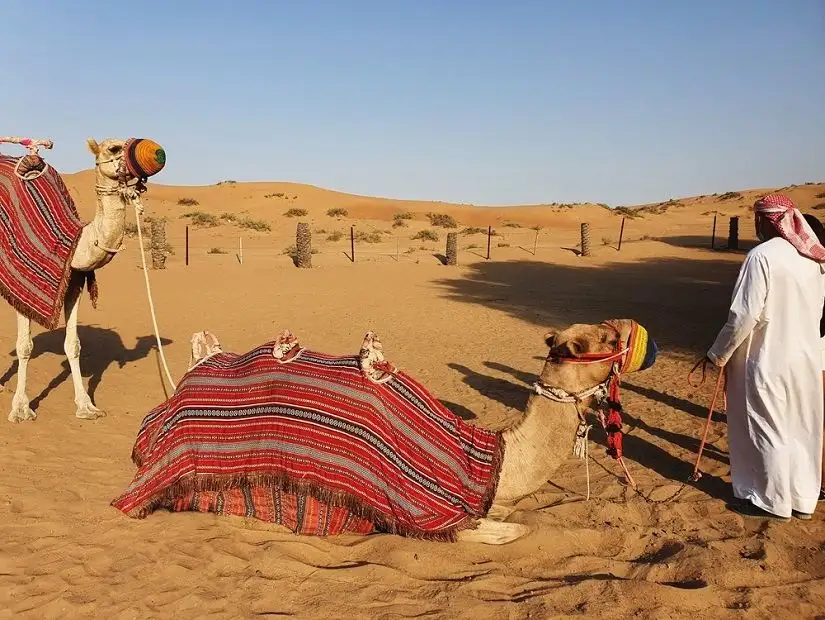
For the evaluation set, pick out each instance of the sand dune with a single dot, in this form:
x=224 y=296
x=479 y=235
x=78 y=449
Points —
x=472 y=334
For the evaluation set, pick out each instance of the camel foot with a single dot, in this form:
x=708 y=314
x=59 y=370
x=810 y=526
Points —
x=89 y=412
x=21 y=412
x=491 y=532
x=498 y=512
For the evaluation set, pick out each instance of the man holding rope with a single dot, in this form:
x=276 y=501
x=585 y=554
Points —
x=770 y=350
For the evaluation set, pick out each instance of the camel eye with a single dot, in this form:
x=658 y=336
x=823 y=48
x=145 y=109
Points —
x=115 y=149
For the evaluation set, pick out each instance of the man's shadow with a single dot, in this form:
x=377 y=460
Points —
x=99 y=349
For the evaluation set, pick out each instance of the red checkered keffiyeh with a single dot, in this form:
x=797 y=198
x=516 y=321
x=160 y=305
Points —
x=791 y=225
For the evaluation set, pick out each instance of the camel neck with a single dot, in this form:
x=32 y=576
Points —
x=536 y=446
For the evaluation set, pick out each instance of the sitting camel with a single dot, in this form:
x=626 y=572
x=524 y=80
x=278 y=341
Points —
x=75 y=251
x=326 y=445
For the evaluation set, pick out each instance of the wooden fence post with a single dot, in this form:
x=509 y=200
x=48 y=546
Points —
x=187 y=246
x=303 y=243
x=713 y=234
x=733 y=233
x=452 y=248
x=352 y=243
x=489 y=236
x=158 y=246
x=585 y=239
x=621 y=234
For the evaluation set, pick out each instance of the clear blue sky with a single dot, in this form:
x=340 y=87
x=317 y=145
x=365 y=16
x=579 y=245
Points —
x=477 y=101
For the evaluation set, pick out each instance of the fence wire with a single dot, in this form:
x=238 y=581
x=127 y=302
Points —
x=406 y=244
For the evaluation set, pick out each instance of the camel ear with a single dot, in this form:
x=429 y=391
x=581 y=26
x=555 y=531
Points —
x=94 y=147
x=550 y=339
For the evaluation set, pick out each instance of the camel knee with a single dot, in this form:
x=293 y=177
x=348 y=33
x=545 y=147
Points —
x=24 y=347
x=71 y=346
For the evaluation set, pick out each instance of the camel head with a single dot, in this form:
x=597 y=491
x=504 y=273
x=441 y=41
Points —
x=126 y=161
x=583 y=355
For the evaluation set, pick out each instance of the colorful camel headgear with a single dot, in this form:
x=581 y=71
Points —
x=641 y=350
x=637 y=353
x=143 y=157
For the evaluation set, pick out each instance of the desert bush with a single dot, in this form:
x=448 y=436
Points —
x=216 y=251
x=442 y=219
x=337 y=212
x=335 y=235
x=228 y=217
x=199 y=218
x=512 y=225
x=730 y=196
x=294 y=212
x=373 y=236
x=259 y=225
x=188 y=202
x=406 y=215
x=275 y=195
x=426 y=235
x=399 y=224
x=473 y=230
x=821 y=195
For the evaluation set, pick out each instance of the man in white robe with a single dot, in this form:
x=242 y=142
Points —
x=771 y=352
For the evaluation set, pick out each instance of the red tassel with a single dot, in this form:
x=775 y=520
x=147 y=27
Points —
x=91 y=286
x=613 y=424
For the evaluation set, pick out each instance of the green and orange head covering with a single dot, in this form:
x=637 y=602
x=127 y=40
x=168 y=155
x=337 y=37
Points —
x=143 y=157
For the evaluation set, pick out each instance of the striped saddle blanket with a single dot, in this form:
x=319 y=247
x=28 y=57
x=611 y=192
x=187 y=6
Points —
x=314 y=444
x=39 y=230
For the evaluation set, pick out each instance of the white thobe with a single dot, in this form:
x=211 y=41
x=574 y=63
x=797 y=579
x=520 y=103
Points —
x=771 y=348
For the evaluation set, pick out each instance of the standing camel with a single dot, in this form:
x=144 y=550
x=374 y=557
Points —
x=359 y=446
x=121 y=170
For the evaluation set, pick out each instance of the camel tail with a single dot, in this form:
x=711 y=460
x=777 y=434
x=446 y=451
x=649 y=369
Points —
x=91 y=286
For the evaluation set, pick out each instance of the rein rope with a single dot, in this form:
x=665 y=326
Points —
x=138 y=210
x=130 y=194
x=721 y=385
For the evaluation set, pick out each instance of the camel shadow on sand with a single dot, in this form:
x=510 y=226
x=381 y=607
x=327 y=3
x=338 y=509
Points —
x=100 y=348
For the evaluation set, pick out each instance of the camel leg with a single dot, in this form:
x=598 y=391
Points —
x=20 y=409
x=491 y=532
x=71 y=345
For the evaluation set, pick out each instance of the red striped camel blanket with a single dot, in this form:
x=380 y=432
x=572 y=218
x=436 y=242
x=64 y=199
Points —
x=311 y=442
x=39 y=230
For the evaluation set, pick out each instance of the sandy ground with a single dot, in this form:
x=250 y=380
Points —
x=473 y=335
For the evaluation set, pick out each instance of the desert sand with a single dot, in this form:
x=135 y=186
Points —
x=473 y=334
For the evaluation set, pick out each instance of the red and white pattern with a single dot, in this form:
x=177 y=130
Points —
x=39 y=230
x=791 y=225
x=314 y=444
